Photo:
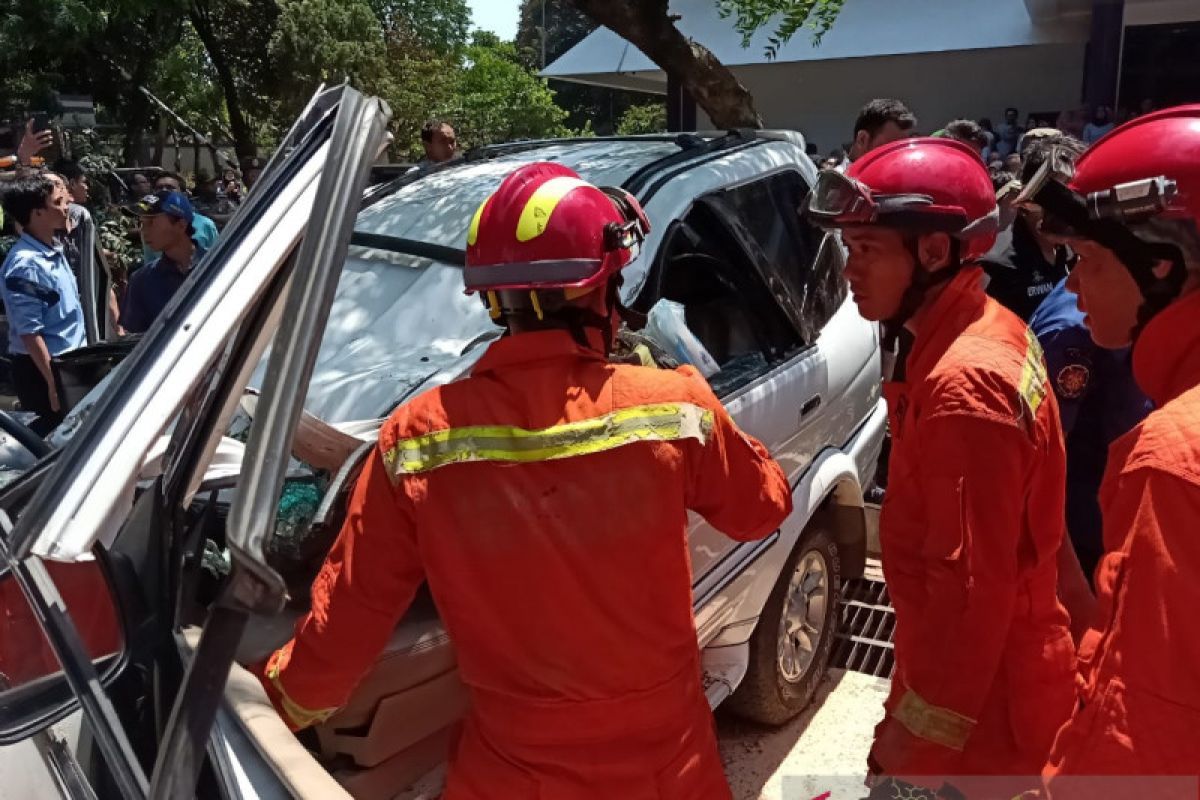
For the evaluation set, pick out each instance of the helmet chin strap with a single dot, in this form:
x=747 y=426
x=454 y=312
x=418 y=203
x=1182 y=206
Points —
x=551 y=309
x=918 y=288
x=1138 y=256
x=1157 y=293
x=579 y=319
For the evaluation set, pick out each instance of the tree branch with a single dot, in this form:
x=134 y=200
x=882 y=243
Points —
x=650 y=27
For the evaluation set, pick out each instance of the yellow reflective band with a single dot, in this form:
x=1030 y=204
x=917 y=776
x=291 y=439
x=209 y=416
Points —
x=541 y=205
x=662 y=422
x=938 y=725
x=298 y=715
x=1034 y=379
x=473 y=231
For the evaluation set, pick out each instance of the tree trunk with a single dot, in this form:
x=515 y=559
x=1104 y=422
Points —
x=133 y=147
x=243 y=137
x=649 y=26
x=160 y=141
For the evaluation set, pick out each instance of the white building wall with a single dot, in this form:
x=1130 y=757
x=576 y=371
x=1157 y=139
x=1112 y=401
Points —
x=822 y=98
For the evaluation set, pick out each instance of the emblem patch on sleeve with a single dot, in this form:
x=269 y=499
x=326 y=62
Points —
x=1073 y=380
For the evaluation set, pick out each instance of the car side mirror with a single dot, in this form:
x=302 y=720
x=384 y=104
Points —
x=34 y=691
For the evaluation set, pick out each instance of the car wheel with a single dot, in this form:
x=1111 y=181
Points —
x=792 y=643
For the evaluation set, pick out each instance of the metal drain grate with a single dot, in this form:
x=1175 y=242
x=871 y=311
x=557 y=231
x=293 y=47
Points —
x=863 y=642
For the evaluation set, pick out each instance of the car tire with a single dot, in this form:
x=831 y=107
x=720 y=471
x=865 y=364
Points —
x=793 y=640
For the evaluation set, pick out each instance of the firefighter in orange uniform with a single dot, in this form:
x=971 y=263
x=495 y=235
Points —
x=972 y=521
x=1130 y=209
x=544 y=499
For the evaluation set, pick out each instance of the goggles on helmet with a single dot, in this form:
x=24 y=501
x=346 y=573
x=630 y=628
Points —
x=1066 y=214
x=636 y=226
x=838 y=201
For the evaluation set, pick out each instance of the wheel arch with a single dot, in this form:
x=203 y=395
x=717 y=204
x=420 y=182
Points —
x=843 y=512
x=830 y=495
x=827 y=494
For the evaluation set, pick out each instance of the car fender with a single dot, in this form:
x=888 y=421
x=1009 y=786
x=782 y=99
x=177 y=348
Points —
x=829 y=488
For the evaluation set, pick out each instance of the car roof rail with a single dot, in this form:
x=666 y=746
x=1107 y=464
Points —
x=698 y=146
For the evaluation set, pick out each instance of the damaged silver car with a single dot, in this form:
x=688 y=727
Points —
x=169 y=534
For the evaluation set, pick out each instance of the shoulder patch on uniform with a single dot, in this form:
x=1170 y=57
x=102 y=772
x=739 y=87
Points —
x=1072 y=380
x=1033 y=373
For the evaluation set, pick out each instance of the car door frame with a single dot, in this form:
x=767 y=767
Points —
x=735 y=557
x=196 y=318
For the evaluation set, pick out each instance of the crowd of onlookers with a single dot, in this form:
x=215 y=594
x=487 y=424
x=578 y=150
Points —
x=47 y=208
x=998 y=144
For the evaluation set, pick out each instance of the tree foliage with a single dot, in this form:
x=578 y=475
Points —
x=437 y=27
x=565 y=26
x=645 y=118
x=246 y=67
x=102 y=47
x=326 y=42
x=787 y=16
x=650 y=26
x=497 y=99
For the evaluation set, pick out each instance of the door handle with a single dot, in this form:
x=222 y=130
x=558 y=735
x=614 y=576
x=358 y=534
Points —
x=811 y=405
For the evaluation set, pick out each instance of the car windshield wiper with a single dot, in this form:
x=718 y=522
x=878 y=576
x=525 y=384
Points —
x=410 y=247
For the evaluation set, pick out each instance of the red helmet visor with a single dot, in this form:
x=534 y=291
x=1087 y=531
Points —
x=568 y=273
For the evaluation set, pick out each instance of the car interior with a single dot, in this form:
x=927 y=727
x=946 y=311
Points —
x=398 y=724
x=727 y=307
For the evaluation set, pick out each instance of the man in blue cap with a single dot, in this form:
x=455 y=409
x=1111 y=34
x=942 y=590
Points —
x=166 y=220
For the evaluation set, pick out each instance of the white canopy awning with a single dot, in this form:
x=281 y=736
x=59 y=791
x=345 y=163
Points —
x=865 y=28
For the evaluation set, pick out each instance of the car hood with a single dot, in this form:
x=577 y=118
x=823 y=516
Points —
x=397 y=323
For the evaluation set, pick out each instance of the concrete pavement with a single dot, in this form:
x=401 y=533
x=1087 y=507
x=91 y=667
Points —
x=823 y=750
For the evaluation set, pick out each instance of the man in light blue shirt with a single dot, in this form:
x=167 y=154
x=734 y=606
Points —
x=41 y=298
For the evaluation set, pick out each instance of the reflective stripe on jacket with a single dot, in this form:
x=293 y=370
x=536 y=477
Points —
x=544 y=499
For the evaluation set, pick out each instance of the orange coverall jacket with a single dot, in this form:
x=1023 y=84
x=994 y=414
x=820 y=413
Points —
x=1140 y=667
x=971 y=525
x=545 y=500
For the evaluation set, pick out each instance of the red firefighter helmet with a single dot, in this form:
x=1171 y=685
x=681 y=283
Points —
x=546 y=228
x=919 y=185
x=1160 y=147
x=1136 y=192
